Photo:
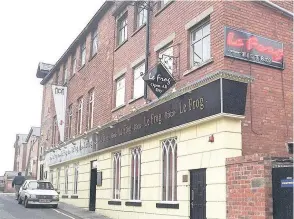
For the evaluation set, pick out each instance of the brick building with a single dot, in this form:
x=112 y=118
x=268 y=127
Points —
x=20 y=153
x=110 y=145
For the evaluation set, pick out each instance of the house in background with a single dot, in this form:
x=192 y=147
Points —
x=8 y=178
x=20 y=153
x=1 y=183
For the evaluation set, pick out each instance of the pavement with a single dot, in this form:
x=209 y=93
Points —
x=9 y=209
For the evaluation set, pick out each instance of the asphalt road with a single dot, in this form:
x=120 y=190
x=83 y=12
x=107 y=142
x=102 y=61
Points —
x=9 y=209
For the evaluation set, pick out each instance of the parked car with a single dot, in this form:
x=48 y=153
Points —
x=36 y=192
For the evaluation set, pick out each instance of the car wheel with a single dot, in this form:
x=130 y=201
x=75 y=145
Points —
x=26 y=203
x=19 y=201
x=55 y=206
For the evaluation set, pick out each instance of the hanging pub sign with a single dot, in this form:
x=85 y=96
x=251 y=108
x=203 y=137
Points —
x=253 y=48
x=159 y=80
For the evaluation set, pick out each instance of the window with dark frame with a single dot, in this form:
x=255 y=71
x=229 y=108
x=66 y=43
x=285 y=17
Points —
x=76 y=178
x=200 y=43
x=83 y=53
x=57 y=77
x=116 y=175
x=90 y=109
x=141 y=14
x=169 y=169
x=69 y=125
x=122 y=28
x=51 y=176
x=135 y=173
x=79 y=116
x=94 y=42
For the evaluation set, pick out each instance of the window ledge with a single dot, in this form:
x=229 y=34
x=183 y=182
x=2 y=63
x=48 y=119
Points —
x=189 y=71
x=164 y=7
x=135 y=99
x=120 y=45
x=64 y=196
x=138 y=29
x=81 y=67
x=114 y=202
x=74 y=196
x=167 y=205
x=135 y=203
x=117 y=108
x=92 y=57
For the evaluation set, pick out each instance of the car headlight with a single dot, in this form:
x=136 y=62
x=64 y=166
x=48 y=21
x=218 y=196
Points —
x=33 y=196
x=55 y=197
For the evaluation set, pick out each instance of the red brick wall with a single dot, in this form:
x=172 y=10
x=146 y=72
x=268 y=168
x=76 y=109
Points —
x=249 y=187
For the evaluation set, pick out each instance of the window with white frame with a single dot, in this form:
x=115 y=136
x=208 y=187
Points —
x=116 y=175
x=135 y=173
x=83 y=54
x=66 y=180
x=122 y=28
x=138 y=87
x=141 y=14
x=169 y=169
x=79 y=116
x=200 y=44
x=94 y=42
x=69 y=125
x=65 y=75
x=76 y=178
x=120 y=92
x=166 y=57
x=74 y=65
x=58 y=180
x=90 y=109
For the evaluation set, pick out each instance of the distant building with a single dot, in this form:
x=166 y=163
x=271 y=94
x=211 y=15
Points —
x=20 y=153
x=1 y=183
x=8 y=178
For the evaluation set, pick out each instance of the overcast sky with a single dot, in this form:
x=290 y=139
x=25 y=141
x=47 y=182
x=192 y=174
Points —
x=32 y=31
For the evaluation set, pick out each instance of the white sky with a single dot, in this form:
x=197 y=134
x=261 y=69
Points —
x=32 y=31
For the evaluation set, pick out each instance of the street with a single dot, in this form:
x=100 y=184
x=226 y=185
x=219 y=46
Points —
x=9 y=209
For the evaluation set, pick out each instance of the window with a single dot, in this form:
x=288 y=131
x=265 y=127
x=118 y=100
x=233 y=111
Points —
x=94 y=42
x=80 y=116
x=76 y=178
x=90 y=109
x=66 y=180
x=122 y=28
x=58 y=180
x=74 y=65
x=65 y=75
x=69 y=121
x=169 y=169
x=120 y=92
x=54 y=131
x=18 y=150
x=200 y=44
x=138 y=88
x=135 y=173
x=83 y=54
x=141 y=14
x=51 y=176
x=166 y=59
x=57 y=77
x=41 y=150
x=116 y=175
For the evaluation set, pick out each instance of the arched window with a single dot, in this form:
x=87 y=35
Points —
x=135 y=173
x=116 y=175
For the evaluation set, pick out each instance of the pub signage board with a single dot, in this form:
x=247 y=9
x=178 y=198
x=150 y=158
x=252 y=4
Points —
x=253 y=48
x=159 y=80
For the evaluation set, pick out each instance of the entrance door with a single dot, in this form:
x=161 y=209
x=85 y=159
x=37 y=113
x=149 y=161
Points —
x=93 y=183
x=198 y=194
x=282 y=192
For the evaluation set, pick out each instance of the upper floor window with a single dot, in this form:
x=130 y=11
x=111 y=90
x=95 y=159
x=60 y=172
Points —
x=135 y=173
x=90 y=109
x=141 y=14
x=169 y=169
x=80 y=116
x=116 y=175
x=69 y=128
x=200 y=44
x=66 y=180
x=76 y=178
x=65 y=74
x=165 y=56
x=54 y=131
x=94 y=42
x=122 y=28
x=74 y=65
x=57 y=77
x=120 y=92
x=83 y=54
x=138 y=88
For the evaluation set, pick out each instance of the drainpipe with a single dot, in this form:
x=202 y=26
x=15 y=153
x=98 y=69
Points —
x=275 y=6
x=147 y=46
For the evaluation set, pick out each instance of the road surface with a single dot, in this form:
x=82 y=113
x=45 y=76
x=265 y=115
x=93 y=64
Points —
x=9 y=209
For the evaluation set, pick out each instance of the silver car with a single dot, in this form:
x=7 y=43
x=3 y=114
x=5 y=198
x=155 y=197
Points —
x=35 y=192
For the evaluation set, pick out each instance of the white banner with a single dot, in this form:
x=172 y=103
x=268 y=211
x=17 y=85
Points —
x=59 y=95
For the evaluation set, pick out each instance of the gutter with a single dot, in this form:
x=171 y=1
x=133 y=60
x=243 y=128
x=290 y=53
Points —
x=277 y=7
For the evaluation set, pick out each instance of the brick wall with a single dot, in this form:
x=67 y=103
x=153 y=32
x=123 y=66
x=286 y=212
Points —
x=249 y=187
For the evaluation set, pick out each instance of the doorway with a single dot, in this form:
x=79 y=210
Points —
x=198 y=194
x=93 y=182
x=282 y=181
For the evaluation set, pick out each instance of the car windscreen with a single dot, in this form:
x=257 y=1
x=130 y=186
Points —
x=40 y=185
